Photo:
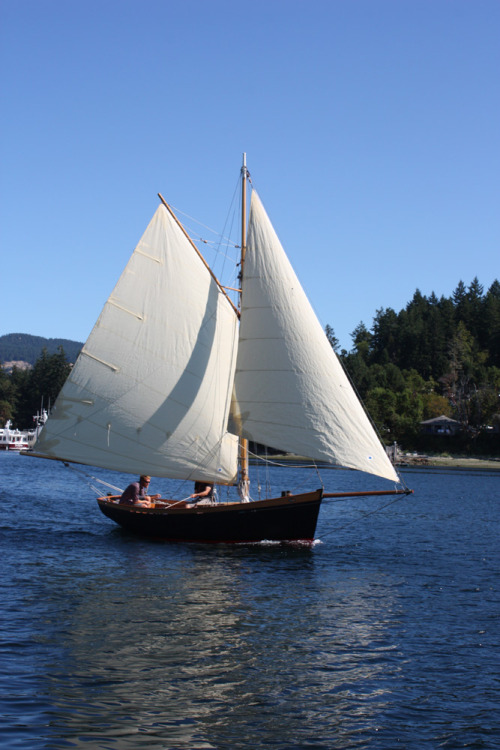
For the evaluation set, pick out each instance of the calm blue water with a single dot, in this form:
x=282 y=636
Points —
x=383 y=635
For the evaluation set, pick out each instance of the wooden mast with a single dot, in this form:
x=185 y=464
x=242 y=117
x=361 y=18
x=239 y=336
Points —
x=243 y=441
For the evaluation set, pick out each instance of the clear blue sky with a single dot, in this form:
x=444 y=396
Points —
x=371 y=127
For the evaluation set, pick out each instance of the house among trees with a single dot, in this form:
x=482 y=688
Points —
x=440 y=426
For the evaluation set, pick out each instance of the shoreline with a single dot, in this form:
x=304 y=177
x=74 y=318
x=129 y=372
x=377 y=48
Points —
x=414 y=461
x=450 y=462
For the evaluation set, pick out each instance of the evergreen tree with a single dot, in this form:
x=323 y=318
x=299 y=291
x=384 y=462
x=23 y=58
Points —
x=20 y=387
x=7 y=397
x=330 y=335
x=413 y=336
x=490 y=331
x=436 y=356
x=474 y=309
x=458 y=379
x=42 y=385
x=384 y=337
x=362 y=340
x=460 y=294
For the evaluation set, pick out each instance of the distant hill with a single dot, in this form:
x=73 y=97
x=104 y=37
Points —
x=22 y=347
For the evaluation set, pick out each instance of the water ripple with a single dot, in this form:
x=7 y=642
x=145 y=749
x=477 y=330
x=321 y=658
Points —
x=383 y=636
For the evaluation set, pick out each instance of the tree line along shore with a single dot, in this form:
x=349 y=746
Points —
x=435 y=357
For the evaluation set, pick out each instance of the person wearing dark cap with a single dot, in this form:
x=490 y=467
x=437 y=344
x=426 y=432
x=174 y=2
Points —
x=135 y=494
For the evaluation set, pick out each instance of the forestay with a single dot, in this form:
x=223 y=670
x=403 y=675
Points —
x=149 y=392
x=290 y=389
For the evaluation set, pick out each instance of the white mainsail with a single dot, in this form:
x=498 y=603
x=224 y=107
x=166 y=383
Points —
x=150 y=392
x=290 y=389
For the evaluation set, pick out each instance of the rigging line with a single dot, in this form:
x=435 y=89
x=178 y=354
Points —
x=214 y=231
x=259 y=486
x=214 y=245
x=268 y=463
x=363 y=516
x=90 y=476
x=320 y=478
x=221 y=257
x=231 y=212
x=268 y=478
x=281 y=465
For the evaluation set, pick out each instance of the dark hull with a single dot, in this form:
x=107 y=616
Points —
x=290 y=518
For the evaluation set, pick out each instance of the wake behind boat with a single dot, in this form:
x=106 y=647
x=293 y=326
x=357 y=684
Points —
x=174 y=379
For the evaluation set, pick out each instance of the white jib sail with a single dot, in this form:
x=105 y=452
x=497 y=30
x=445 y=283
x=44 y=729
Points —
x=149 y=392
x=291 y=392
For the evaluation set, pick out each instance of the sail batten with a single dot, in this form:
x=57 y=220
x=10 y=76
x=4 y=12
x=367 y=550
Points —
x=135 y=314
x=111 y=366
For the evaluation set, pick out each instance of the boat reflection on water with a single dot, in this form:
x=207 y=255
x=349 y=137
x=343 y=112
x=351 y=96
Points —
x=205 y=651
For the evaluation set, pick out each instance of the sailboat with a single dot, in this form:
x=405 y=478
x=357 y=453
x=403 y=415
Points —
x=175 y=379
